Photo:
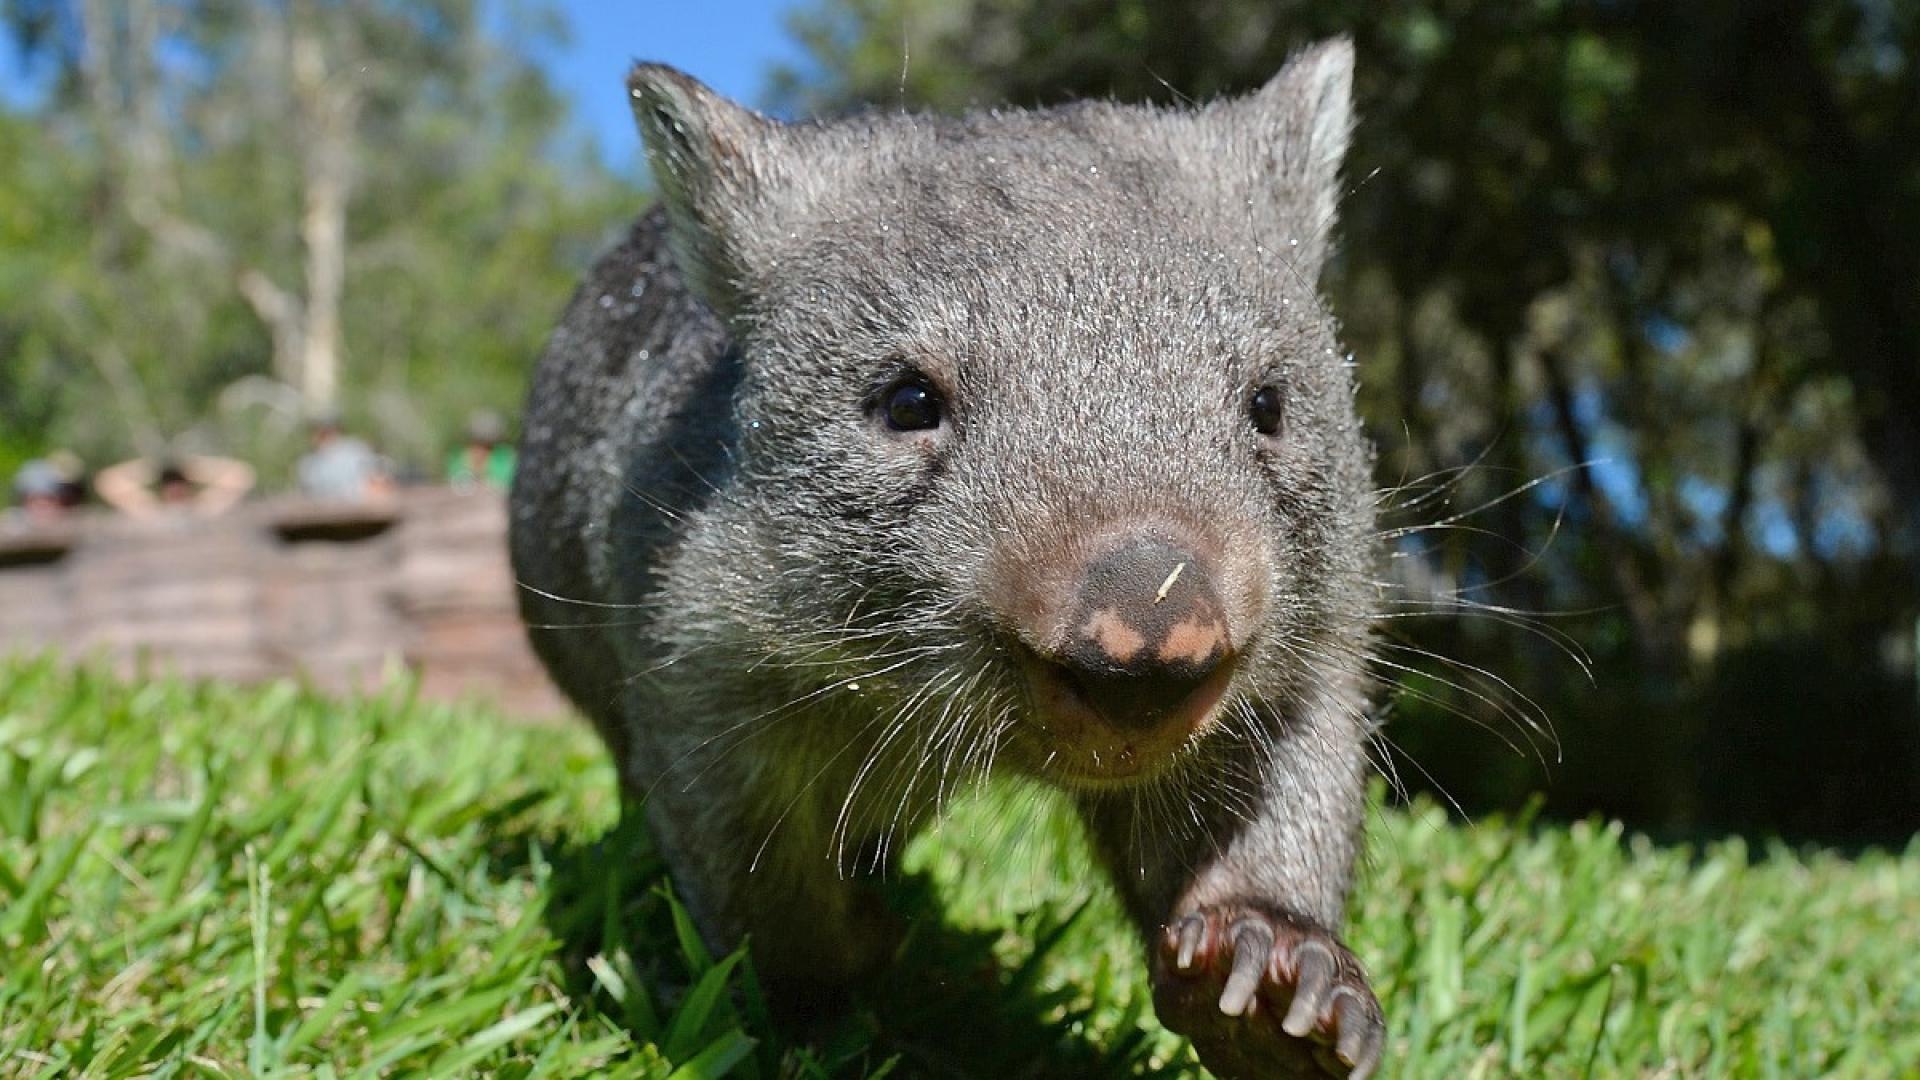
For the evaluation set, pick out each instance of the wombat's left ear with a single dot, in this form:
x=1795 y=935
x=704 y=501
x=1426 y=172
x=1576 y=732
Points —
x=713 y=160
x=1301 y=121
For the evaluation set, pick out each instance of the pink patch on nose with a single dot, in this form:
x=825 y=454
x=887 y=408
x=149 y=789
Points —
x=1192 y=640
x=1114 y=635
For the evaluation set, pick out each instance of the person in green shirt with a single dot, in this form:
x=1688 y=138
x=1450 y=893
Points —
x=486 y=459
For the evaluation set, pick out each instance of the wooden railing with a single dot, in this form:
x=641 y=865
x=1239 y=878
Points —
x=329 y=592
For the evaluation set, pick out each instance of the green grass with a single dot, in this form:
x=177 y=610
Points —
x=205 y=881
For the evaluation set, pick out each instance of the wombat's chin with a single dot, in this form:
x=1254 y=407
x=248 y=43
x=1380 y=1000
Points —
x=1083 y=739
x=1095 y=772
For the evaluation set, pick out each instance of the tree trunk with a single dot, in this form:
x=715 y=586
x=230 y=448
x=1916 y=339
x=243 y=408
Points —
x=327 y=109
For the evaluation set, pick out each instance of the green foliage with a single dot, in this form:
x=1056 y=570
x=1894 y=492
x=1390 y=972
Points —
x=177 y=210
x=204 y=881
x=1661 y=258
x=39 y=218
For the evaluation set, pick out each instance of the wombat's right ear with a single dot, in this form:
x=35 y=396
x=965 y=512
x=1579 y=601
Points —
x=712 y=160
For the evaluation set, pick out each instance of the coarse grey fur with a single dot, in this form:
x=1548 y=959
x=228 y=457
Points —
x=792 y=626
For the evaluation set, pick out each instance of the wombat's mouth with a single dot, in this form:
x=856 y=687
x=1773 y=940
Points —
x=1102 y=730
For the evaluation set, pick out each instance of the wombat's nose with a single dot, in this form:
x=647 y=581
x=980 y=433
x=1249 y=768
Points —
x=1147 y=635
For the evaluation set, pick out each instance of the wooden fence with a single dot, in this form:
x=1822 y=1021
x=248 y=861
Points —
x=331 y=593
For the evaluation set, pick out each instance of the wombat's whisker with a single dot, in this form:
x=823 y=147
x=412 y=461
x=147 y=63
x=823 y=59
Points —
x=931 y=733
x=1427 y=490
x=616 y=624
x=903 y=718
x=1534 y=557
x=825 y=766
x=1389 y=748
x=1452 y=604
x=1536 y=716
x=1310 y=700
x=669 y=661
x=621 y=684
x=694 y=471
x=1510 y=494
x=948 y=725
x=1456 y=601
x=672 y=514
x=961 y=722
x=1001 y=721
x=1523 y=622
x=990 y=729
x=1459 y=598
x=1507 y=711
x=1404 y=531
x=758 y=723
x=558 y=599
x=825 y=657
x=841 y=650
x=1431 y=488
x=1383 y=764
x=1225 y=791
x=1561 y=642
x=1160 y=822
x=952 y=737
x=875 y=754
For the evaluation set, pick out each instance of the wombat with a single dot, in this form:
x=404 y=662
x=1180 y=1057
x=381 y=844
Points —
x=895 y=451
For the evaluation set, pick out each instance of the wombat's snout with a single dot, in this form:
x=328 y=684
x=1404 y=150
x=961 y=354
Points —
x=1140 y=641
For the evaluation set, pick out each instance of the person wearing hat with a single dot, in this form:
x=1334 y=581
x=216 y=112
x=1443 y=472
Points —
x=41 y=491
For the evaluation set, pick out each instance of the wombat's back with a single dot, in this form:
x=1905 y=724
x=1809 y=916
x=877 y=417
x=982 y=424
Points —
x=625 y=433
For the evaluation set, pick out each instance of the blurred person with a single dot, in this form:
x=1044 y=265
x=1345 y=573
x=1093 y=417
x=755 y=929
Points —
x=73 y=477
x=487 y=458
x=40 y=493
x=341 y=467
x=196 y=484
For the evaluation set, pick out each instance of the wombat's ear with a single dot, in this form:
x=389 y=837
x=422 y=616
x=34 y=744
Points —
x=712 y=159
x=1302 y=119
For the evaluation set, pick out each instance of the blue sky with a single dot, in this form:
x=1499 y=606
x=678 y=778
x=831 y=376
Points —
x=726 y=43
x=729 y=44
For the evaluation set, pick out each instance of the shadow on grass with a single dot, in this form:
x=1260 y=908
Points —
x=955 y=1003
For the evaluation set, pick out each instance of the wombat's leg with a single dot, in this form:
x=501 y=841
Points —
x=754 y=858
x=1239 y=912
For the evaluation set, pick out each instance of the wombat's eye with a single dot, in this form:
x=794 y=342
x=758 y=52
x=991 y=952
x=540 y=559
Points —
x=1268 y=410
x=909 y=404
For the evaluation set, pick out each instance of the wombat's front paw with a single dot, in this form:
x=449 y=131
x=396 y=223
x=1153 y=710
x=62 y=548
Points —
x=1263 y=994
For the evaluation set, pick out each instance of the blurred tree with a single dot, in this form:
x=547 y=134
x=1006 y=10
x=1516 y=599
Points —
x=1662 y=259
x=291 y=207
x=37 y=217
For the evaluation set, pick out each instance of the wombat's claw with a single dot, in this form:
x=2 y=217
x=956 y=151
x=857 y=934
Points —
x=1222 y=975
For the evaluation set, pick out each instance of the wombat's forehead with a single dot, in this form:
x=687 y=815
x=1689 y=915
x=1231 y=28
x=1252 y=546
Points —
x=1002 y=179
x=985 y=291
x=996 y=236
x=1012 y=202
x=1019 y=279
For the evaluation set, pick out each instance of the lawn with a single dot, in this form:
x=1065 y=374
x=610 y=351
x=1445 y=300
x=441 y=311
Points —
x=198 y=880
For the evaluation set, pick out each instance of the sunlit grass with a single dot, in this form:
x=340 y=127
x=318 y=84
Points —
x=200 y=880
